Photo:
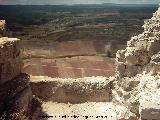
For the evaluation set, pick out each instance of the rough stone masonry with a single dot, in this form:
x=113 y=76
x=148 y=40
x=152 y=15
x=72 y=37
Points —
x=141 y=50
x=138 y=72
x=15 y=91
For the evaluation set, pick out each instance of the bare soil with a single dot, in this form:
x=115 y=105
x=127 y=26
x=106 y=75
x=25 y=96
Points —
x=84 y=111
x=75 y=67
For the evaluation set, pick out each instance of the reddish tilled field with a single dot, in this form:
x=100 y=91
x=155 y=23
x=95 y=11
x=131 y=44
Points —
x=75 y=67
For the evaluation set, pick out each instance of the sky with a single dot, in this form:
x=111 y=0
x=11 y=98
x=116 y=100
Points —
x=69 y=2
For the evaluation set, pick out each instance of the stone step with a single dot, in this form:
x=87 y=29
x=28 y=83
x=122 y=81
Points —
x=89 y=89
x=84 y=111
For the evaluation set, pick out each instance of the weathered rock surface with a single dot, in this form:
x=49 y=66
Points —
x=36 y=109
x=10 y=89
x=19 y=106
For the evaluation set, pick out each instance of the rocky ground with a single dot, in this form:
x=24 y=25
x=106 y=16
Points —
x=84 y=111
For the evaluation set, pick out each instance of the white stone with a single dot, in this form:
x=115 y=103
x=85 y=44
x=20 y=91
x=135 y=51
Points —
x=150 y=105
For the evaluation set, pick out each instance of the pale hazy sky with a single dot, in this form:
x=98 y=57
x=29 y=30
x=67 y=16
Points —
x=53 y=2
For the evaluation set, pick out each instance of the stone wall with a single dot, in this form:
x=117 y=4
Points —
x=140 y=49
x=15 y=92
x=138 y=72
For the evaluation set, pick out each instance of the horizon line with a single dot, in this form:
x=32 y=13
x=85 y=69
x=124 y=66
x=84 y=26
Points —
x=88 y=4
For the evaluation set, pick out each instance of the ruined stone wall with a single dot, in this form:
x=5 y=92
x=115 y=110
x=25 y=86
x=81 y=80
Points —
x=138 y=72
x=140 y=50
x=15 y=92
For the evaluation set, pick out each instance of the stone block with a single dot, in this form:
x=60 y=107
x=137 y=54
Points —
x=120 y=69
x=131 y=59
x=132 y=70
x=130 y=56
x=154 y=66
x=123 y=70
x=141 y=45
x=153 y=46
x=155 y=58
x=9 y=70
x=137 y=57
x=9 y=49
x=150 y=106
x=128 y=84
x=132 y=42
x=120 y=55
